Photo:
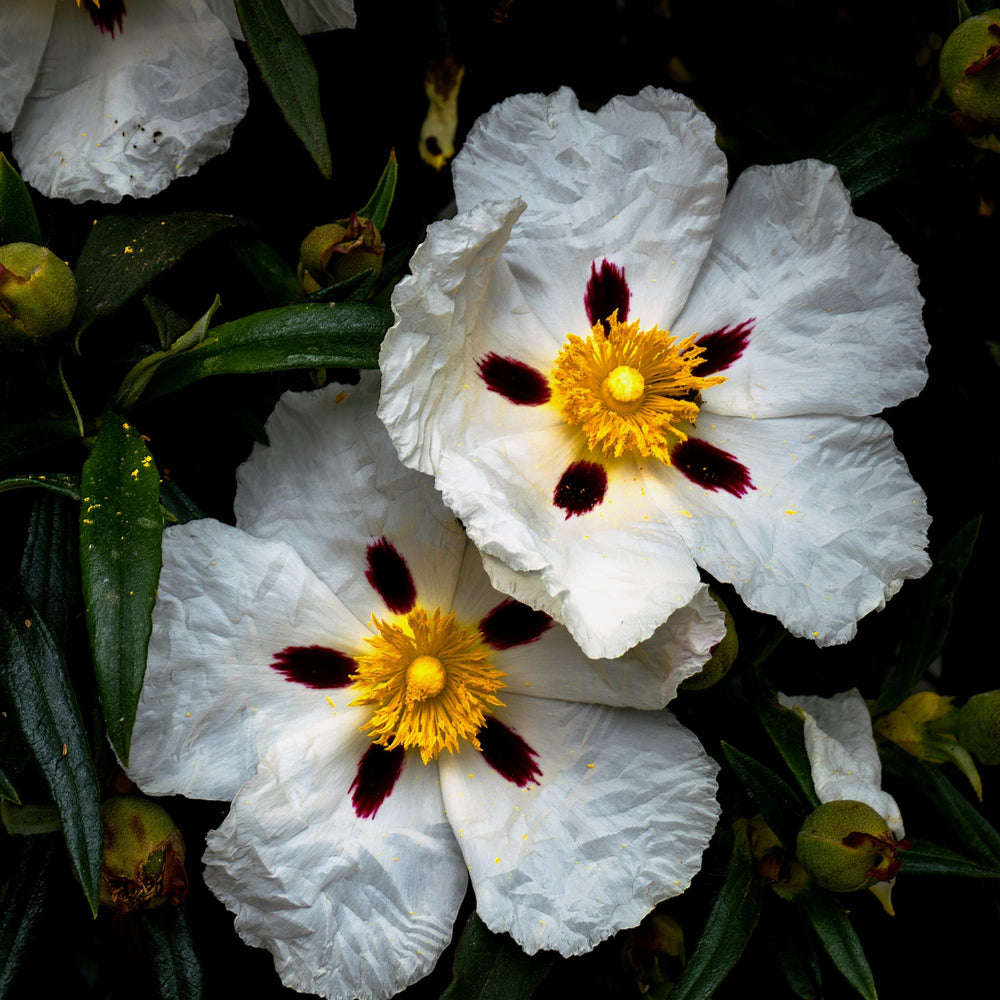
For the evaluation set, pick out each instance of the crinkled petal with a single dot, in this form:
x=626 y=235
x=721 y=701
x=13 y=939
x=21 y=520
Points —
x=26 y=25
x=640 y=182
x=842 y=754
x=211 y=703
x=617 y=822
x=125 y=115
x=348 y=907
x=834 y=525
x=308 y=16
x=330 y=485
x=837 y=314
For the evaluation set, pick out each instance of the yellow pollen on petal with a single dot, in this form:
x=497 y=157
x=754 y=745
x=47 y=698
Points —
x=431 y=683
x=630 y=389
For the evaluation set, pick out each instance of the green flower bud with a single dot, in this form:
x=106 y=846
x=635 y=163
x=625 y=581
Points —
x=338 y=251
x=846 y=846
x=723 y=655
x=970 y=67
x=37 y=294
x=143 y=855
x=979 y=726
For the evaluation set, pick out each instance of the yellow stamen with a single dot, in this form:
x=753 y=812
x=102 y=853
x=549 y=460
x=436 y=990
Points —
x=630 y=389
x=431 y=681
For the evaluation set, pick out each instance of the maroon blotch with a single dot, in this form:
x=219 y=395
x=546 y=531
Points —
x=512 y=623
x=711 y=467
x=507 y=753
x=607 y=290
x=315 y=666
x=580 y=488
x=723 y=347
x=388 y=573
x=108 y=16
x=514 y=380
x=377 y=773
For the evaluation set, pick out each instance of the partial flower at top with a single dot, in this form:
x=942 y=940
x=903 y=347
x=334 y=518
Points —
x=108 y=98
x=388 y=726
x=614 y=376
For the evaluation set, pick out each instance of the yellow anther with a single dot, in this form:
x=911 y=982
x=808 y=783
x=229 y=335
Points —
x=425 y=677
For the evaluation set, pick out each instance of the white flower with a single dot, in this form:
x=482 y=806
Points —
x=593 y=457
x=291 y=666
x=120 y=97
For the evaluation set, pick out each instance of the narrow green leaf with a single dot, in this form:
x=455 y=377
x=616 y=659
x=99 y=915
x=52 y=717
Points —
x=178 y=505
x=39 y=688
x=357 y=288
x=24 y=435
x=124 y=253
x=288 y=72
x=378 y=205
x=32 y=862
x=492 y=966
x=120 y=531
x=838 y=938
x=292 y=337
x=930 y=607
x=8 y=793
x=272 y=273
x=29 y=820
x=58 y=482
x=792 y=947
x=169 y=323
x=18 y=221
x=176 y=968
x=963 y=11
x=925 y=858
x=727 y=931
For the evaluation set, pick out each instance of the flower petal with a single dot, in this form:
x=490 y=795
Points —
x=330 y=485
x=641 y=175
x=835 y=303
x=125 y=115
x=617 y=822
x=211 y=702
x=308 y=16
x=26 y=26
x=833 y=527
x=348 y=906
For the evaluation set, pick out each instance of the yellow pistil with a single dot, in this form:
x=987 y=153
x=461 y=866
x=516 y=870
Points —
x=431 y=681
x=630 y=389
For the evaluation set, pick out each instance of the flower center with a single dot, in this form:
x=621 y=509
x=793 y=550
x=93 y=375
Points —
x=630 y=389
x=431 y=682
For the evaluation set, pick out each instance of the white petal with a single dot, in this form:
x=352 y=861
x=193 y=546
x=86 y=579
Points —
x=308 y=16
x=833 y=528
x=330 y=484
x=26 y=25
x=641 y=182
x=589 y=850
x=211 y=704
x=349 y=907
x=837 y=312
x=119 y=116
x=842 y=754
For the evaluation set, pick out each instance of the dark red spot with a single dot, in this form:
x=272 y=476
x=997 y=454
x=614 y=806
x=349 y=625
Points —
x=711 y=467
x=376 y=777
x=581 y=488
x=512 y=623
x=513 y=379
x=108 y=16
x=507 y=753
x=315 y=666
x=723 y=347
x=607 y=290
x=388 y=573
x=992 y=52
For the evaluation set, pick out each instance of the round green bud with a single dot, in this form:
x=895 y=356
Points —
x=846 y=846
x=338 y=251
x=37 y=294
x=970 y=67
x=143 y=855
x=722 y=658
x=979 y=726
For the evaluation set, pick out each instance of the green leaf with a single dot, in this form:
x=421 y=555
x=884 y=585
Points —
x=58 y=482
x=272 y=273
x=838 y=938
x=929 y=617
x=378 y=205
x=29 y=820
x=792 y=947
x=39 y=688
x=288 y=72
x=18 y=221
x=8 y=793
x=120 y=532
x=20 y=436
x=347 y=335
x=925 y=858
x=124 y=253
x=356 y=288
x=492 y=966
x=178 y=505
x=727 y=931
x=175 y=963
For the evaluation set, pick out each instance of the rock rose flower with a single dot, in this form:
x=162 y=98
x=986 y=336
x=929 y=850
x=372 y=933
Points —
x=108 y=98
x=618 y=374
x=388 y=726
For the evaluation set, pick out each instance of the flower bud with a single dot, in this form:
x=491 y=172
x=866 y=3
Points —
x=37 y=294
x=338 y=251
x=723 y=655
x=970 y=67
x=143 y=855
x=979 y=726
x=846 y=845
x=654 y=951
